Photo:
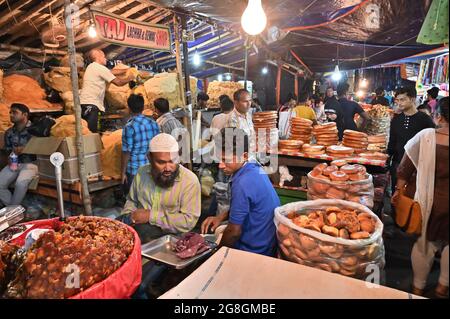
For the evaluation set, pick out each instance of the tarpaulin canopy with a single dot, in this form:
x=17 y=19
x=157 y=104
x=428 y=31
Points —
x=323 y=33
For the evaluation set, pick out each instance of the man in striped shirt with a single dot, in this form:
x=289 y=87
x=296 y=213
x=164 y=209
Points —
x=136 y=136
x=164 y=196
x=166 y=121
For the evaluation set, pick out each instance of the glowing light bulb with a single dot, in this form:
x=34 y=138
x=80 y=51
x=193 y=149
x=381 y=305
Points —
x=254 y=19
x=360 y=93
x=92 y=32
x=228 y=77
x=337 y=76
x=220 y=77
x=363 y=83
x=265 y=70
x=197 y=59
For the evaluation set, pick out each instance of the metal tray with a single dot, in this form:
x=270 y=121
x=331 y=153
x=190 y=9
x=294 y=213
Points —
x=161 y=250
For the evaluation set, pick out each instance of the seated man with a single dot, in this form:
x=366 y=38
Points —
x=253 y=198
x=16 y=138
x=164 y=196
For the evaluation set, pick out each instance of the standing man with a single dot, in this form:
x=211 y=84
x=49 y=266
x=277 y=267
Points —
x=432 y=95
x=166 y=121
x=219 y=121
x=136 y=137
x=333 y=111
x=404 y=126
x=202 y=99
x=379 y=98
x=350 y=109
x=240 y=117
x=95 y=79
x=16 y=138
x=253 y=199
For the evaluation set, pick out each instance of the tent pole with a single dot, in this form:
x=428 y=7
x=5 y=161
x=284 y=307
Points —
x=278 y=95
x=296 y=86
x=77 y=108
x=187 y=86
x=246 y=63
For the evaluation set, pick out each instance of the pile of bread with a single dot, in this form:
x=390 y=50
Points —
x=218 y=88
x=340 y=180
x=265 y=126
x=377 y=142
x=331 y=240
x=356 y=140
x=326 y=134
x=293 y=146
x=301 y=129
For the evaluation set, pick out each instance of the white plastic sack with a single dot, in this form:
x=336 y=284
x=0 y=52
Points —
x=349 y=257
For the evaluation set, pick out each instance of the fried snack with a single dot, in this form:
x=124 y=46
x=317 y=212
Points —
x=96 y=246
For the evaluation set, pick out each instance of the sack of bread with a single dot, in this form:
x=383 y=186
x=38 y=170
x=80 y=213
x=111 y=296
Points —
x=218 y=88
x=78 y=59
x=340 y=180
x=65 y=127
x=333 y=235
x=111 y=154
x=26 y=90
x=5 y=122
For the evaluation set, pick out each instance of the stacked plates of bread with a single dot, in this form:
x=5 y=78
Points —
x=301 y=129
x=326 y=134
x=377 y=156
x=356 y=140
x=313 y=149
x=339 y=151
x=290 y=145
x=377 y=143
x=265 y=120
x=265 y=123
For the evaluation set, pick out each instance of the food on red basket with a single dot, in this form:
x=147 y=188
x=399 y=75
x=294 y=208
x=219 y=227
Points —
x=190 y=245
x=96 y=246
x=338 y=176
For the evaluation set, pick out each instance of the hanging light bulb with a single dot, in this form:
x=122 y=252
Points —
x=197 y=59
x=220 y=77
x=363 y=83
x=228 y=77
x=254 y=19
x=337 y=76
x=265 y=70
x=92 y=32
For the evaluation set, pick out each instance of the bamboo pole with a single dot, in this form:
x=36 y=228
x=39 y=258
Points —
x=77 y=108
x=186 y=119
x=296 y=86
x=279 y=85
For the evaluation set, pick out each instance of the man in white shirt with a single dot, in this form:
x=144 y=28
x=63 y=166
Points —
x=240 y=117
x=95 y=79
x=219 y=121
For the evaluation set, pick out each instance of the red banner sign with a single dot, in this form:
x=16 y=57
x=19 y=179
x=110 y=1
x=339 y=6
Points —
x=121 y=31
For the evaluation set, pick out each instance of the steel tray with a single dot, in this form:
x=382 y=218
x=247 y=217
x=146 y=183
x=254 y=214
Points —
x=161 y=250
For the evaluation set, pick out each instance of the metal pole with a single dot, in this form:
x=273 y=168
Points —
x=77 y=108
x=246 y=63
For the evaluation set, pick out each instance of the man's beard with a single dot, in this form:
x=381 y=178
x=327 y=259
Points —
x=165 y=181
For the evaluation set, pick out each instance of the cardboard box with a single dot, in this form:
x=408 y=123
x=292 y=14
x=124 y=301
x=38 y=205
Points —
x=43 y=147
x=230 y=274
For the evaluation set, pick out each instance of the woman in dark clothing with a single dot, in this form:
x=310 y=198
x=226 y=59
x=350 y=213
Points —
x=415 y=170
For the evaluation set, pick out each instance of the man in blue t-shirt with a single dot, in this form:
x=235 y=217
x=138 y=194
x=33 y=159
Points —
x=253 y=199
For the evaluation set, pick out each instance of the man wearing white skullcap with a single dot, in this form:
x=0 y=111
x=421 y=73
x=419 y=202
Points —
x=164 y=196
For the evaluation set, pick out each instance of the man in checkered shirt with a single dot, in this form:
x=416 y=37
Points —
x=136 y=137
